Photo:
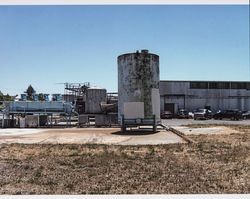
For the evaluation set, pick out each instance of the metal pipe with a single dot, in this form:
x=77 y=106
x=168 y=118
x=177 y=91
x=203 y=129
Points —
x=3 y=121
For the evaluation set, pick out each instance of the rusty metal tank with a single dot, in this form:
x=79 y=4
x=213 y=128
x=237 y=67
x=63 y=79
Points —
x=138 y=81
x=94 y=97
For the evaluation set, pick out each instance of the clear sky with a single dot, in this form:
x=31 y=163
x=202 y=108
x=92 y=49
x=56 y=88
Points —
x=45 y=45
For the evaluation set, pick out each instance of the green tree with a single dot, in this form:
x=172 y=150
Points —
x=1 y=96
x=30 y=91
x=41 y=97
x=5 y=97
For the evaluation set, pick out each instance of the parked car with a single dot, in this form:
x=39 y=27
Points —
x=182 y=114
x=190 y=115
x=229 y=114
x=202 y=113
x=246 y=114
x=166 y=115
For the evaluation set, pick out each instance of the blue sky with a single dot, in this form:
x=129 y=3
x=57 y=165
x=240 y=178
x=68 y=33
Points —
x=45 y=45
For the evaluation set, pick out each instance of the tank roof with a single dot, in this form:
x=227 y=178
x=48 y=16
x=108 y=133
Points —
x=143 y=51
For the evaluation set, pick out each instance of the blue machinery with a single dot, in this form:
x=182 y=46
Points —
x=38 y=107
x=47 y=108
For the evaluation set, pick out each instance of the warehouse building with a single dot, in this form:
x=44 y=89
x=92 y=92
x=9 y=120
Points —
x=214 y=95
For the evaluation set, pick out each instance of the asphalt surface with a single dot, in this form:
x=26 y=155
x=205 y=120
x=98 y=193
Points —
x=183 y=122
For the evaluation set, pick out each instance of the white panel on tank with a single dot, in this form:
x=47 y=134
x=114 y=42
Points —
x=138 y=73
x=133 y=110
x=155 y=98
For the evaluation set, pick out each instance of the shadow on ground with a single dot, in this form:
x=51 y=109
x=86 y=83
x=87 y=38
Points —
x=136 y=132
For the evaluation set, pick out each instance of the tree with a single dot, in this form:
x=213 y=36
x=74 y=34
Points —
x=30 y=91
x=1 y=96
x=5 y=97
x=41 y=97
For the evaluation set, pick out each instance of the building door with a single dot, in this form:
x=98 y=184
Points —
x=169 y=107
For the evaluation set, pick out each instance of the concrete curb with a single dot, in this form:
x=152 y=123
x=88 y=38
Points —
x=179 y=133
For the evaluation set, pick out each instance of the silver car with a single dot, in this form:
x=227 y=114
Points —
x=202 y=114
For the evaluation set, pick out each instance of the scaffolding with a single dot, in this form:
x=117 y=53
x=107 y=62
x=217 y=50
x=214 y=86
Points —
x=75 y=91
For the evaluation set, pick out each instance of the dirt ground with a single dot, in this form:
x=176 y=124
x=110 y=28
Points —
x=217 y=163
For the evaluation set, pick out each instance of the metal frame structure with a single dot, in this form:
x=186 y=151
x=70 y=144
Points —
x=137 y=122
x=76 y=90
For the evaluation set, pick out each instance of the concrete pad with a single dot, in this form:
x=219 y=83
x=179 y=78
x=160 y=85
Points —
x=205 y=131
x=162 y=137
x=89 y=136
x=13 y=131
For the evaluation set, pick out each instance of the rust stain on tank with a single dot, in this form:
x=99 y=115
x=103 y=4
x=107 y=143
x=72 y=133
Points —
x=138 y=73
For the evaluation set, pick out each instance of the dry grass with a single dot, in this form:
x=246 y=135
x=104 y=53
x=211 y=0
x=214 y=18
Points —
x=215 y=164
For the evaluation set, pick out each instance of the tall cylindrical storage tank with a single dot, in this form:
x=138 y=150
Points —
x=94 y=97
x=138 y=81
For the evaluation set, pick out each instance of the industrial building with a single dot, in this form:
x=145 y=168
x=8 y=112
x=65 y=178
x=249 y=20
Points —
x=213 y=95
x=140 y=99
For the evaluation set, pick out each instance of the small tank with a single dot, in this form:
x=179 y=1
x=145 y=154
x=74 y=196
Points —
x=138 y=84
x=23 y=97
x=46 y=97
x=35 y=97
x=56 y=97
x=94 y=97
